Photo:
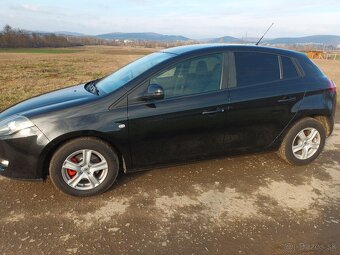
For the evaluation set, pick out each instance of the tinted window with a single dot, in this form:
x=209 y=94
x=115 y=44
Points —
x=289 y=70
x=255 y=67
x=191 y=76
x=310 y=67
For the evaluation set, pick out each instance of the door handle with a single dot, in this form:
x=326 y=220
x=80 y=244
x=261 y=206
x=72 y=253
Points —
x=287 y=100
x=218 y=110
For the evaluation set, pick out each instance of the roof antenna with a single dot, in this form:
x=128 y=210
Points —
x=264 y=34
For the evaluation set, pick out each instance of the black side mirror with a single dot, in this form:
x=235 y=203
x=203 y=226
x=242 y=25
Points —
x=155 y=91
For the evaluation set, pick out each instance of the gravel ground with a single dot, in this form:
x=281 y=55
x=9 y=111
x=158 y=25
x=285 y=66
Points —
x=251 y=204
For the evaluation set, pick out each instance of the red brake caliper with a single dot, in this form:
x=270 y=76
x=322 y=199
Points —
x=71 y=172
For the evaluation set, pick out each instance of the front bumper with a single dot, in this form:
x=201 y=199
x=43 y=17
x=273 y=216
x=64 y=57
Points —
x=20 y=154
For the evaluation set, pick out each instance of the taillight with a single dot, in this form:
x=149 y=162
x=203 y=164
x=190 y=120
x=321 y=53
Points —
x=332 y=86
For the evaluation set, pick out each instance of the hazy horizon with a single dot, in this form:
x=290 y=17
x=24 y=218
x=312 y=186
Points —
x=192 y=19
x=205 y=38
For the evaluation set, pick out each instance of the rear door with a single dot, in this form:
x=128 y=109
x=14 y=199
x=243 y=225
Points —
x=188 y=122
x=265 y=91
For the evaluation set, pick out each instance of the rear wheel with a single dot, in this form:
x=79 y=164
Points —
x=84 y=167
x=304 y=142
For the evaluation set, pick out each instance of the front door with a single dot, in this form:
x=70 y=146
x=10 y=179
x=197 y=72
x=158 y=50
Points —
x=188 y=122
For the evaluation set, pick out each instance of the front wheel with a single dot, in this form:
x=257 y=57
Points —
x=84 y=167
x=304 y=142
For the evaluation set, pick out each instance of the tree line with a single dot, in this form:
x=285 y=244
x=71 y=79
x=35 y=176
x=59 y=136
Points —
x=17 y=38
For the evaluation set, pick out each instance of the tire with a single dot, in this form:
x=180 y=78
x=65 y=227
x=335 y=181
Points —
x=307 y=154
x=84 y=167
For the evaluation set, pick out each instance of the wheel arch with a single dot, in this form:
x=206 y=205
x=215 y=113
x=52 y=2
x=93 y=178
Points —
x=326 y=121
x=49 y=150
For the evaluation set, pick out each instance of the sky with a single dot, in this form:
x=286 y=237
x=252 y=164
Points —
x=195 y=19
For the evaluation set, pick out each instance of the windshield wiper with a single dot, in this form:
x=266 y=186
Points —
x=91 y=87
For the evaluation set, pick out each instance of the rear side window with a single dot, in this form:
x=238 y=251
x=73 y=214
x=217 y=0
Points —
x=256 y=67
x=310 y=68
x=289 y=70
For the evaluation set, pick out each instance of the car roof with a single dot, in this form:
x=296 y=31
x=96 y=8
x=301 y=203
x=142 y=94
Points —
x=181 y=50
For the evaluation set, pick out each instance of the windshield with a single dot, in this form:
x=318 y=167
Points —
x=131 y=71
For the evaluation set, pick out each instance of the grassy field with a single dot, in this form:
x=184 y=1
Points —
x=331 y=68
x=24 y=75
x=29 y=72
x=40 y=50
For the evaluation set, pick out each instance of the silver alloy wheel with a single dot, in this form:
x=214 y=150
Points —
x=84 y=169
x=306 y=143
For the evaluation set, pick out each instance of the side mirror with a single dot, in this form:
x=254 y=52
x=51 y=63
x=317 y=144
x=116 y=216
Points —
x=155 y=91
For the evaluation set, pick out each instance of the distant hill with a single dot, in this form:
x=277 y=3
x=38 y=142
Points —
x=143 y=37
x=63 y=33
x=254 y=39
x=68 y=33
x=226 y=39
x=333 y=40
x=314 y=39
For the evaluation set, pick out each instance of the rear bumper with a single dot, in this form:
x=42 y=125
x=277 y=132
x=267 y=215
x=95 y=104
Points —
x=20 y=153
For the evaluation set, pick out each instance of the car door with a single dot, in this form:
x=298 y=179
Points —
x=188 y=122
x=265 y=91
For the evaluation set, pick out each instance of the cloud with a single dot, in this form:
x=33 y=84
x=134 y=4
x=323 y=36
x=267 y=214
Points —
x=29 y=7
x=138 y=1
x=36 y=11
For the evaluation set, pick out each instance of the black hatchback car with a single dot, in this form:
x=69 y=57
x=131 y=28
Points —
x=176 y=105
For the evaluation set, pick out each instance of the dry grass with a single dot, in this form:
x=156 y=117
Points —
x=23 y=75
x=331 y=68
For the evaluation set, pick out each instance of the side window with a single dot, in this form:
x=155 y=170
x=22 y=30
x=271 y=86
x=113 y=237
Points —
x=256 y=67
x=193 y=76
x=289 y=70
x=169 y=73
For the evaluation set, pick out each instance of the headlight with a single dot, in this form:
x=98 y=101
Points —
x=14 y=124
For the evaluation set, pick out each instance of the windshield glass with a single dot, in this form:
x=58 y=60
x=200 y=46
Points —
x=131 y=71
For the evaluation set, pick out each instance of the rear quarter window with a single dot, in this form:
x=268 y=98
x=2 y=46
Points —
x=256 y=67
x=310 y=67
x=289 y=69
